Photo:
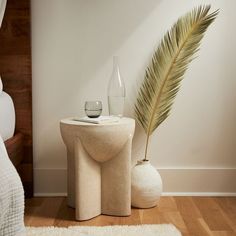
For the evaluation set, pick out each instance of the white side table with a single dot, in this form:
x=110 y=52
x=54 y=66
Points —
x=99 y=165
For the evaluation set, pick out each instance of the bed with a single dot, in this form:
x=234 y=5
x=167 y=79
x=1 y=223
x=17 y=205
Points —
x=15 y=71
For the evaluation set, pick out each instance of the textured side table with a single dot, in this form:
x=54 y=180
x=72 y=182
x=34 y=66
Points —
x=99 y=163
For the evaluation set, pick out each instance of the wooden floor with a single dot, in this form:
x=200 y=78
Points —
x=193 y=216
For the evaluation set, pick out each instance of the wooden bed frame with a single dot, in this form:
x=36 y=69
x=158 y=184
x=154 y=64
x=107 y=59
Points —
x=15 y=70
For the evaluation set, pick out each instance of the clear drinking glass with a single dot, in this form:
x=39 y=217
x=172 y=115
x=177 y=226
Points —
x=116 y=91
x=93 y=109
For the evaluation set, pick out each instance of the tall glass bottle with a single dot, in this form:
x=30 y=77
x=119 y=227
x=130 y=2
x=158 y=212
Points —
x=116 y=91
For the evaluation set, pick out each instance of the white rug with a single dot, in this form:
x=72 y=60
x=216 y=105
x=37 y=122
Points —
x=139 y=230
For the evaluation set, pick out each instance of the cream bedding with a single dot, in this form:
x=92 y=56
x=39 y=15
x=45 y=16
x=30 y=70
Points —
x=11 y=197
x=11 y=190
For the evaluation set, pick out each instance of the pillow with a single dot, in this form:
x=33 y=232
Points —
x=7 y=116
x=1 y=86
x=2 y=10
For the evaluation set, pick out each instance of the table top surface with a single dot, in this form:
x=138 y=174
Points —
x=71 y=121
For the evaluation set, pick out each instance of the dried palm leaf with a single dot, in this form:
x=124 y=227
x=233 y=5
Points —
x=169 y=63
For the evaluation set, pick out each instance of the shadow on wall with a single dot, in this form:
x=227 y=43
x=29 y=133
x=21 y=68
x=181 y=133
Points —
x=77 y=38
x=103 y=27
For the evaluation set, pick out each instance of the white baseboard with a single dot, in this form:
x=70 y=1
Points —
x=50 y=194
x=164 y=194
x=197 y=194
x=176 y=182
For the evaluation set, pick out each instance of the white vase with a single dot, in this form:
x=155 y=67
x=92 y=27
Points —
x=146 y=185
x=116 y=91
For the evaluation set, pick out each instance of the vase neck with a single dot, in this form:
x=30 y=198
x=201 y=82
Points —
x=116 y=82
x=142 y=162
x=116 y=68
x=116 y=62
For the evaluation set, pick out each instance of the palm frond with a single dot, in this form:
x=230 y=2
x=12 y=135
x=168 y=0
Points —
x=169 y=63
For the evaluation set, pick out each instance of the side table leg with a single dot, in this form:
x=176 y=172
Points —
x=70 y=179
x=116 y=183
x=87 y=184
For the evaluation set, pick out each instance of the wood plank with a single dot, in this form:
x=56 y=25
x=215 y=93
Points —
x=191 y=216
x=184 y=212
x=212 y=214
x=45 y=214
x=174 y=218
x=134 y=219
x=65 y=216
x=14 y=148
x=167 y=204
x=31 y=205
x=150 y=216
x=228 y=207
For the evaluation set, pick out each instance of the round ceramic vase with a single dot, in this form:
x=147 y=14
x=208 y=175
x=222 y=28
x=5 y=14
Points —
x=146 y=185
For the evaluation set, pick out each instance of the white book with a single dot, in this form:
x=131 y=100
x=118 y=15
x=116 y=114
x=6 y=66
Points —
x=99 y=120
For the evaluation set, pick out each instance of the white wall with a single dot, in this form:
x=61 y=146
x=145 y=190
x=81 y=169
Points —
x=73 y=42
